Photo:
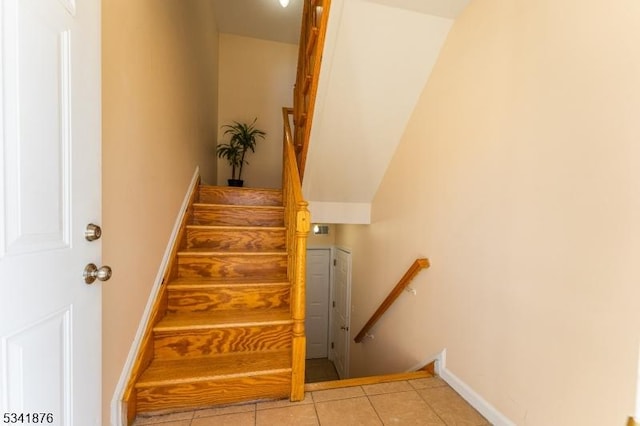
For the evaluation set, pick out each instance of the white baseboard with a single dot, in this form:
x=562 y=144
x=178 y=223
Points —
x=438 y=358
x=472 y=397
x=118 y=415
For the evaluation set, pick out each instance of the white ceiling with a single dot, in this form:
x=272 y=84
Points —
x=263 y=19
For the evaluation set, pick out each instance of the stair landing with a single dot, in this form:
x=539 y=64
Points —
x=423 y=399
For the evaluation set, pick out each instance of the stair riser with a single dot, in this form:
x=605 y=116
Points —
x=192 y=266
x=238 y=216
x=239 y=297
x=219 y=392
x=198 y=343
x=253 y=197
x=241 y=239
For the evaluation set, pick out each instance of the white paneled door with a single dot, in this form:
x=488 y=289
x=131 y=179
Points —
x=50 y=340
x=340 y=313
x=317 y=302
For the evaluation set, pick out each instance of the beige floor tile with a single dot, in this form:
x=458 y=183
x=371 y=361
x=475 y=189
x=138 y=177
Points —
x=333 y=394
x=404 y=408
x=431 y=382
x=451 y=407
x=347 y=412
x=379 y=388
x=284 y=402
x=297 y=415
x=231 y=409
x=163 y=418
x=234 y=419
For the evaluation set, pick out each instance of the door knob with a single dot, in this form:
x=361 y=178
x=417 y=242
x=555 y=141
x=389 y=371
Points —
x=92 y=273
x=93 y=232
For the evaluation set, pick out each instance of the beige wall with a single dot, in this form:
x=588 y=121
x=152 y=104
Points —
x=159 y=123
x=326 y=240
x=518 y=176
x=256 y=80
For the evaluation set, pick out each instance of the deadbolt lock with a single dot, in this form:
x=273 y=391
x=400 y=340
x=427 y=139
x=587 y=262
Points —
x=93 y=232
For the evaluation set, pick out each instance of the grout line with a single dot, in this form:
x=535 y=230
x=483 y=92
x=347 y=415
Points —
x=255 y=414
x=374 y=409
x=431 y=407
x=315 y=409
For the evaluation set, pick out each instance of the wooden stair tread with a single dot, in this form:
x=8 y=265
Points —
x=174 y=321
x=223 y=366
x=238 y=228
x=244 y=252
x=238 y=188
x=236 y=206
x=240 y=196
x=206 y=251
x=237 y=215
x=206 y=263
x=234 y=239
x=224 y=282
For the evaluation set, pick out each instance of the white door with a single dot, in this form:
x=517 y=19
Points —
x=50 y=340
x=340 y=313
x=317 y=304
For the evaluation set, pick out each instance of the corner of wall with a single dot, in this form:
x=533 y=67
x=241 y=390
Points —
x=471 y=396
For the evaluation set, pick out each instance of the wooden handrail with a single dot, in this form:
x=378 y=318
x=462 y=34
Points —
x=294 y=152
x=315 y=18
x=413 y=270
x=296 y=218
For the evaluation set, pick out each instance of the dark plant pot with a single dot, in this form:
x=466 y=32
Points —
x=235 y=182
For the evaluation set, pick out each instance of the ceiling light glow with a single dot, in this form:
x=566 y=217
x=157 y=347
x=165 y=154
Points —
x=284 y=3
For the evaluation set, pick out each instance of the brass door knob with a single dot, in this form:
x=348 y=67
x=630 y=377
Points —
x=92 y=273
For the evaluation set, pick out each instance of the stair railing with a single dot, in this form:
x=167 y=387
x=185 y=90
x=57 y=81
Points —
x=296 y=216
x=315 y=17
x=413 y=270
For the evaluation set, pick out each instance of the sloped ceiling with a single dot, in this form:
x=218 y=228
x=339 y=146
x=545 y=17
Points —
x=378 y=56
x=445 y=9
x=263 y=19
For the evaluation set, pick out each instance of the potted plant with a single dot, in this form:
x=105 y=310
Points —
x=243 y=137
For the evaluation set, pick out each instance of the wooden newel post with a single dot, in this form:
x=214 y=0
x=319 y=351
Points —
x=298 y=302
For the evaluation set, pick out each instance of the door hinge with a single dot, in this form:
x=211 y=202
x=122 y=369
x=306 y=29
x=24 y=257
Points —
x=334 y=303
x=331 y=345
x=334 y=262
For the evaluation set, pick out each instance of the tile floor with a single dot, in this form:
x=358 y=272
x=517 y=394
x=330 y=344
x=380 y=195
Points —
x=410 y=402
x=319 y=370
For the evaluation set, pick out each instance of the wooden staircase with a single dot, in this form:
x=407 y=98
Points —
x=227 y=324
x=223 y=331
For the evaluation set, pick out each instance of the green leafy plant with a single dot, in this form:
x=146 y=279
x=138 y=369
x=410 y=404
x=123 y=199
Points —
x=243 y=137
